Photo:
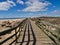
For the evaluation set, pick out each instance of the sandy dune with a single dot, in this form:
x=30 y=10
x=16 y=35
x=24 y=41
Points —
x=3 y=26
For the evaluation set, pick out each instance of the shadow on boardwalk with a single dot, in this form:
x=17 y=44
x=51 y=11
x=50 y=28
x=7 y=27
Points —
x=29 y=27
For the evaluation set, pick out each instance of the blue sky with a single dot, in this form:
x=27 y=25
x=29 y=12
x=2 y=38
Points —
x=29 y=8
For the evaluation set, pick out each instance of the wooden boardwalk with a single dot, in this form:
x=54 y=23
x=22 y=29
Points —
x=32 y=35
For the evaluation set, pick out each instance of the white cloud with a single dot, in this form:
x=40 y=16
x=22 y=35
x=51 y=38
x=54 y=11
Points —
x=6 y=5
x=20 y=2
x=36 y=5
x=34 y=0
x=56 y=12
x=28 y=3
x=11 y=3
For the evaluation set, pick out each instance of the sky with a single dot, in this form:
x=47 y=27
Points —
x=29 y=8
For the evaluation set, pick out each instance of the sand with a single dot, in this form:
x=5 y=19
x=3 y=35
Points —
x=3 y=28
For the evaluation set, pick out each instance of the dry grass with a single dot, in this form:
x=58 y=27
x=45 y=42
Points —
x=7 y=24
x=53 y=20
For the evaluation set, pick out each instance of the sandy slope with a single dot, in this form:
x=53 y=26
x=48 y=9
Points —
x=12 y=21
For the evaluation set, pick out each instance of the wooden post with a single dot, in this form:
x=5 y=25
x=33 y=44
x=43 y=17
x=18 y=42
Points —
x=19 y=31
x=16 y=36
